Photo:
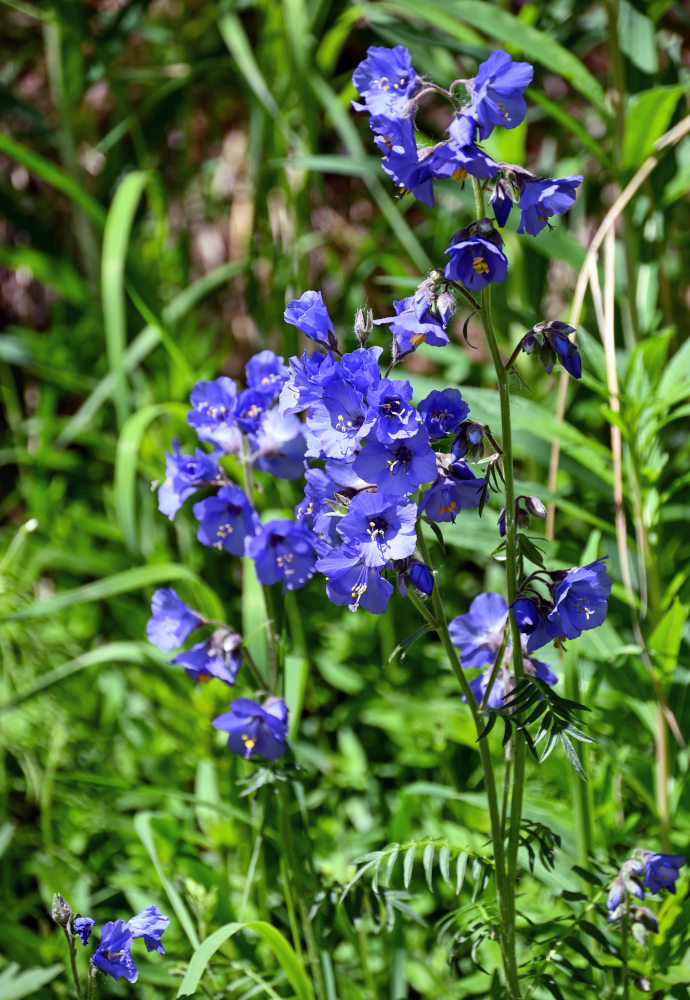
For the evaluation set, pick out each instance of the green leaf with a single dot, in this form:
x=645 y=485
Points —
x=119 y=583
x=572 y=756
x=408 y=865
x=444 y=864
x=126 y=459
x=16 y=983
x=460 y=869
x=141 y=653
x=428 y=862
x=283 y=952
x=116 y=241
x=647 y=117
x=665 y=640
x=636 y=37
x=142 y=827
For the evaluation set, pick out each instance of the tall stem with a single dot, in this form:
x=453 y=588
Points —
x=504 y=901
x=73 y=963
x=511 y=567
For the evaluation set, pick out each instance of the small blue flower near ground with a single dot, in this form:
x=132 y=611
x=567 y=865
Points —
x=497 y=92
x=171 y=620
x=254 y=730
x=220 y=656
x=82 y=927
x=661 y=871
x=113 y=953
x=310 y=315
x=149 y=924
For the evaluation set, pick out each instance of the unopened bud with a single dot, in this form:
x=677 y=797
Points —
x=61 y=910
x=364 y=324
x=535 y=506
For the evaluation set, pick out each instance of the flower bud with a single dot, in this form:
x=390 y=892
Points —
x=535 y=506
x=502 y=202
x=469 y=440
x=61 y=910
x=364 y=324
x=421 y=577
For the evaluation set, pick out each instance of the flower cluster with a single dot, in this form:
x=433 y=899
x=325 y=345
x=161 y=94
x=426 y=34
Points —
x=253 y=729
x=644 y=870
x=577 y=601
x=113 y=954
x=391 y=90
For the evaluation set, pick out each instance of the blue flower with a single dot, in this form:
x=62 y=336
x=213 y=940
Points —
x=310 y=315
x=82 y=926
x=540 y=199
x=220 y=656
x=410 y=171
x=443 y=410
x=385 y=80
x=551 y=341
x=400 y=467
x=497 y=92
x=361 y=368
x=278 y=446
x=184 y=475
x=421 y=577
x=502 y=202
x=475 y=261
x=113 y=953
x=580 y=599
x=382 y=527
x=661 y=871
x=213 y=416
x=468 y=440
x=283 y=551
x=396 y=418
x=460 y=157
x=566 y=350
x=351 y=583
x=266 y=373
x=251 y=407
x=227 y=520
x=338 y=422
x=254 y=730
x=478 y=633
x=304 y=386
x=456 y=489
x=171 y=620
x=411 y=329
x=531 y=619
x=149 y=924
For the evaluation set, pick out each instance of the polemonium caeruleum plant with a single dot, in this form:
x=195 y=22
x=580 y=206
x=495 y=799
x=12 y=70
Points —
x=377 y=464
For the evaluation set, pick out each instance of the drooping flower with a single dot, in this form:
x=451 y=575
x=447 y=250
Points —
x=171 y=620
x=398 y=467
x=220 y=656
x=213 y=414
x=255 y=730
x=661 y=871
x=456 y=488
x=184 y=475
x=410 y=170
x=266 y=373
x=385 y=80
x=443 y=410
x=351 y=583
x=382 y=527
x=502 y=202
x=531 y=619
x=310 y=315
x=475 y=261
x=540 y=199
x=226 y=520
x=551 y=342
x=497 y=92
x=82 y=927
x=113 y=953
x=283 y=552
x=149 y=924
x=580 y=599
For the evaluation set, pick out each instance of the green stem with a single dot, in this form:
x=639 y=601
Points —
x=363 y=957
x=503 y=893
x=625 y=926
x=73 y=963
x=92 y=982
x=289 y=868
x=511 y=568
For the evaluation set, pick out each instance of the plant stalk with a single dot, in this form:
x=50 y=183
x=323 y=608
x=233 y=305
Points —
x=73 y=963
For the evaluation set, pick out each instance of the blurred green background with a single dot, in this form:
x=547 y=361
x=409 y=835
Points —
x=172 y=173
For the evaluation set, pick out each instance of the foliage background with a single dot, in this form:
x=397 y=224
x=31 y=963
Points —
x=172 y=174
